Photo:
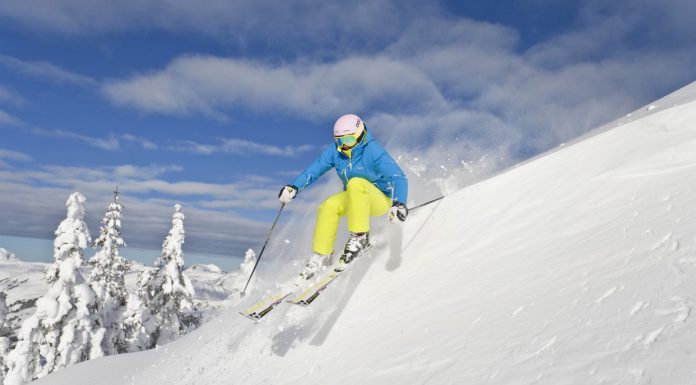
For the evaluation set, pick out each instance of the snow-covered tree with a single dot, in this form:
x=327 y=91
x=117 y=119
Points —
x=236 y=281
x=138 y=322
x=107 y=278
x=6 y=255
x=5 y=332
x=65 y=328
x=162 y=310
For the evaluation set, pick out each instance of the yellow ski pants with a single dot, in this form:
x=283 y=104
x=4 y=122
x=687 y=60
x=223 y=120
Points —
x=359 y=201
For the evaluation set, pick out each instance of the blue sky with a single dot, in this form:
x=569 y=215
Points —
x=217 y=104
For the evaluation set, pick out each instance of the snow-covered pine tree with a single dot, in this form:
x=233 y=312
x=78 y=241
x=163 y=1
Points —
x=65 y=329
x=238 y=279
x=163 y=309
x=107 y=278
x=5 y=333
x=139 y=324
x=6 y=255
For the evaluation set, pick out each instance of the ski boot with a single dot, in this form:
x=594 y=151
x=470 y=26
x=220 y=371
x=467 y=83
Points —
x=356 y=244
x=313 y=265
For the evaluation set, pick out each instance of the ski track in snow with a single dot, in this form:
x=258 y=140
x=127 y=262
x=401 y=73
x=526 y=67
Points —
x=652 y=336
x=606 y=295
x=639 y=306
x=662 y=242
x=681 y=310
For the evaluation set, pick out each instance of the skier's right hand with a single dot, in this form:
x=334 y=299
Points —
x=287 y=193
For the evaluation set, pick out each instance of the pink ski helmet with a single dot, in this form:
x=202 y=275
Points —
x=349 y=124
x=348 y=131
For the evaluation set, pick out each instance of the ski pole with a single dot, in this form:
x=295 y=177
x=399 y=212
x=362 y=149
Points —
x=264 y=247
x=426 y=203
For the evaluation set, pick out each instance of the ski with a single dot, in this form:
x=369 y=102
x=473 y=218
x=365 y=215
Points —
x=308 y=296
x=263 y=307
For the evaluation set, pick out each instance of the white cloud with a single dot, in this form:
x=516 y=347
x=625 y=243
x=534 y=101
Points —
x=14 y=155
x=461 y=56
x=142 y=142
x=144 y=181
x=112 y=142
x=240 y=147
x=211 y=85
x=9 y=97
x=6 y=118
x=144 y=172
x=46 y=71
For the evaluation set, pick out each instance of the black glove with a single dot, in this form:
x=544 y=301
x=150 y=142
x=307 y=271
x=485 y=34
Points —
x=287 y=193
x=398 y=211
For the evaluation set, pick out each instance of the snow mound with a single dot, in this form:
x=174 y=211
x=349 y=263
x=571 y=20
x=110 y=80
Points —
x=205 y=280
x=209 y=268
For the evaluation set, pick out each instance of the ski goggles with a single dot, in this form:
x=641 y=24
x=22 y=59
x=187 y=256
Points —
x=346 y=141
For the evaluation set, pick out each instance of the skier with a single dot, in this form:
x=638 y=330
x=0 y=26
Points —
x=373 y=185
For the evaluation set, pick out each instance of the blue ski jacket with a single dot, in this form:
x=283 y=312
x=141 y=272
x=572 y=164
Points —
x=368 y=160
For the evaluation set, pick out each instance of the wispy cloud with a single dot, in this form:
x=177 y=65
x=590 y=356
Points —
x=14 y=155
x=8 y=155
x=9 y=97
x=142 y=142
x=112 y=142
x=7 y=119
x=46 y=71
x=143 y=180
x=240 y=147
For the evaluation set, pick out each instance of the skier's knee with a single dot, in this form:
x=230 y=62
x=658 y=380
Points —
x=330 y=206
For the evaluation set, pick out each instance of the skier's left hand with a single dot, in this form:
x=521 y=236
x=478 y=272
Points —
x=398 y=211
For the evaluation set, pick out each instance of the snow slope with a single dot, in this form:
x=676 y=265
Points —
x=576 y=268
x=23 y=283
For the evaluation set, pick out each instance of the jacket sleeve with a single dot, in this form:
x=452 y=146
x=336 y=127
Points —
x=319 y=167
x=390 y=170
